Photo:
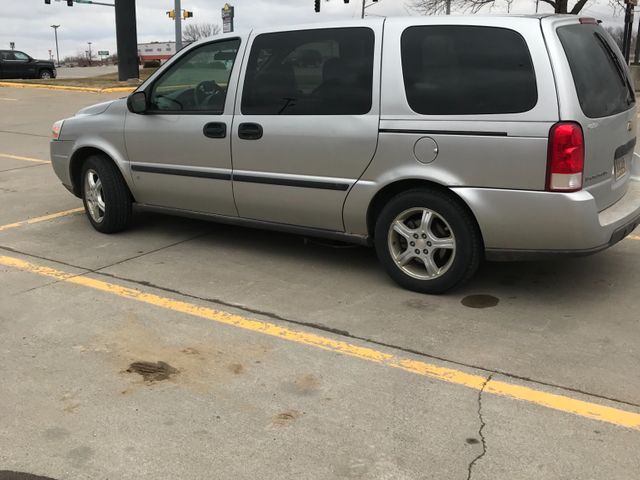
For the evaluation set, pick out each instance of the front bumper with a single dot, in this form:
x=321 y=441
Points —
x=519 y=224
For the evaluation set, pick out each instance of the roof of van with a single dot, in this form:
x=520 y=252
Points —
x=377 y=20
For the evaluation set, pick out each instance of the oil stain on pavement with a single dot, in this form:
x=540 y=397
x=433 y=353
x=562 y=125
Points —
x=152 y=372
x=8 y=475
x=480 y=301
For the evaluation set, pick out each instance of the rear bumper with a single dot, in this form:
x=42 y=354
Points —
x=528 y=225
x=60 y=158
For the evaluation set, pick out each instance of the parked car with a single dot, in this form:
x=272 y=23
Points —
x=442 y=142
x=14 y=64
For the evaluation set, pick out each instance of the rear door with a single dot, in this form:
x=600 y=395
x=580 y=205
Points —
x=306 y=123
x=595 y=90
x=8 y=65
x=19 y=65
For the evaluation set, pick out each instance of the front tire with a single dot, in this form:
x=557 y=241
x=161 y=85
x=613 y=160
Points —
x=106 y=197
x=427 y=242
x=46 y=74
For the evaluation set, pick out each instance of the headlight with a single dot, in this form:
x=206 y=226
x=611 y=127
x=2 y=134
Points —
x=56 y=129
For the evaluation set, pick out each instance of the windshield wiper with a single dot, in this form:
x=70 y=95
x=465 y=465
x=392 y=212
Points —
x=622 y=76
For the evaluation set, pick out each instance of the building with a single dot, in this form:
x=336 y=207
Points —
x=160 y=51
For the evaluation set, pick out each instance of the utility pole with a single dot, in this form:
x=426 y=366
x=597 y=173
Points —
x=127 y=37
x=363 y=7
x=448 y=11
x=178 y=19
x=636 y=56
x=628 y=27
x=55 y=30
x=89 y=43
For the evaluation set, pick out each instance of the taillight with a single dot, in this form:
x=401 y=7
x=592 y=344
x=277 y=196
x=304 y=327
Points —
x=56 y=129
x=566 y=158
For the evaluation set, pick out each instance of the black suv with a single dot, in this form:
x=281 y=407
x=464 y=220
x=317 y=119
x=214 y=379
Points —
x=15 y=64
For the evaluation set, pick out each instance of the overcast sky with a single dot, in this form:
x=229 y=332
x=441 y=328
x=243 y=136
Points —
x=27 y=22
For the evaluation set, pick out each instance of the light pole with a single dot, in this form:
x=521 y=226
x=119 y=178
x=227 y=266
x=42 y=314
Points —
x=178 y=19
x=55 y=30
x=89 y=43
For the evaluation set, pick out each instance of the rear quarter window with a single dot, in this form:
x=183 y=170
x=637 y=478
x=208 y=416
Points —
x=466 y=70
x=600 y=78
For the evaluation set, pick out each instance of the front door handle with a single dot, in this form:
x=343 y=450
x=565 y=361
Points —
x=250 y=131
x=215 y=130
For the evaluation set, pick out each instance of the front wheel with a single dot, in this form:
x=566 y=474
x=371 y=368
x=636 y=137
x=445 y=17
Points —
x=45 y=74
x=105 y=194
x=427 y=242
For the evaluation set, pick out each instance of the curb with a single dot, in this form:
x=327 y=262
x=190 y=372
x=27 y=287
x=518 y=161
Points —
x=67 y=87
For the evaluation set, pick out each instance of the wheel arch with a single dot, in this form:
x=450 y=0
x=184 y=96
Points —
x=42 y=69
x=77 y=161
x=386 y=193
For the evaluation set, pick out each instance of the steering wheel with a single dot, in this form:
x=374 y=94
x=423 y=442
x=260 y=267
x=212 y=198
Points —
x=205 y=90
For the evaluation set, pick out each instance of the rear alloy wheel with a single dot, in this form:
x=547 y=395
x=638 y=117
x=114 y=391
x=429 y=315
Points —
x=427 y=241
x=106 y=197
x=45 y=75
x=422 y=243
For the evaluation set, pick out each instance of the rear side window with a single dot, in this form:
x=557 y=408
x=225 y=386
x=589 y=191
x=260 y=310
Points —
x=466 y=70
x=310 y=72
x=600 y=78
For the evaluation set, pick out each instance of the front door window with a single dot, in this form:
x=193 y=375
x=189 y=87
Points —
x=198 y=82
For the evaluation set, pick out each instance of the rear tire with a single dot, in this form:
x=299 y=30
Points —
x=106 y=197
x=427 y=242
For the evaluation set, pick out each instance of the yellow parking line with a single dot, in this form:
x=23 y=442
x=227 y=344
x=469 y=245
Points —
x=26 y=159
x=561 y=403
x=8 y=99
x=44 y=218
x=634 y=237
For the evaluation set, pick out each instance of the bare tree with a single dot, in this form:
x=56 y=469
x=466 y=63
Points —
x=618 y=36
x=433 y=7
x=196 y=31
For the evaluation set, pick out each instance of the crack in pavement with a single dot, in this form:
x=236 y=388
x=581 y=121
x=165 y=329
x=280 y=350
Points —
x=96 y=270
x=24 y=133
x=313 y=325
x=22 y=168
x=483 y=440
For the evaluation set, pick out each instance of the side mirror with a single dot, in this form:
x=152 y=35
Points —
x=137 y=102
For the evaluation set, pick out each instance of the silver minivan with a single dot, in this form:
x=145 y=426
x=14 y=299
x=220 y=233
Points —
x=440 y=140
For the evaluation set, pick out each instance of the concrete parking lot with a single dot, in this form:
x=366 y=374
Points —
x=185 y=349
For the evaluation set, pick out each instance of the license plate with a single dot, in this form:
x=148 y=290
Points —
x=619 y=167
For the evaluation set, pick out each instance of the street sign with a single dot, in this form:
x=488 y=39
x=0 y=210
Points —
x=12 y=45
x=103 y=53
x=227 y=18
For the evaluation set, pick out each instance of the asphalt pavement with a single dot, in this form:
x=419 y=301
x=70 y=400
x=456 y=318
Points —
x=187 y=349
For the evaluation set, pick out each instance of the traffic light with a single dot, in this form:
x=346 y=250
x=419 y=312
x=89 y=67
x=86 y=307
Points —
x=172 y=14
x=317 y=6
x=186 y=14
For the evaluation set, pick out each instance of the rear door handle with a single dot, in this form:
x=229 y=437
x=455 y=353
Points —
x=250 y=131
x=215 y=130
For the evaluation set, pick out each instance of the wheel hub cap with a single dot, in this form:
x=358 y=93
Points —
x=422 y=243
x=94 y=196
